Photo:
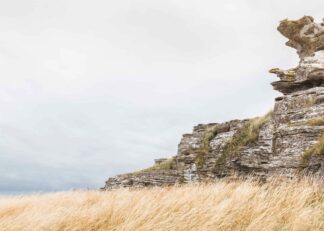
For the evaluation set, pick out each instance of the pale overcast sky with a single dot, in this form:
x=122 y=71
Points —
x=90 y=89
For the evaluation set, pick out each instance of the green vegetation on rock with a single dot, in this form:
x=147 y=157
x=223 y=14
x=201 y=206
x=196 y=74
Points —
x=200 y=159
x=169 y=164
x=311 y=122
x=316 y=149
x=246 y=135
x=201 y=153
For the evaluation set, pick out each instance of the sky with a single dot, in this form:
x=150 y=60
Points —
x=91 y=89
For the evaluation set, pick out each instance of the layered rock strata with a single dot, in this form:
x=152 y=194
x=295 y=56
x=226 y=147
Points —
x=287 y=141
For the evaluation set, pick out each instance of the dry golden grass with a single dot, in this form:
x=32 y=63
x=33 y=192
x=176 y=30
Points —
x=239 y=205
x=168 y=164
x=311 y=122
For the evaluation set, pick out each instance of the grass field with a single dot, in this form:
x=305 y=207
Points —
x=238 y=205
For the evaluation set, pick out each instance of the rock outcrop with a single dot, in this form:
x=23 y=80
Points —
x=307 y=37
x=286 y=141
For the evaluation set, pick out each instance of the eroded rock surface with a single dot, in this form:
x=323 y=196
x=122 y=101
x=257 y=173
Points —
x=280 y=142
x=307 y=37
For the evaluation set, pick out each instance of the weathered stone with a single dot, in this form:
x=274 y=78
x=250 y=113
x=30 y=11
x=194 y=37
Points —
x=144 y=179
x=315 y=166
x=308 y=38
x=272 y=145
x=303 y=34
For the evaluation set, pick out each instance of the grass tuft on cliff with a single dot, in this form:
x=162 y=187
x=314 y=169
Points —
x=316 y=149
x=224 y=206
x=247 y=135
x=204 y=150
x=311 y=122
x=169 y=164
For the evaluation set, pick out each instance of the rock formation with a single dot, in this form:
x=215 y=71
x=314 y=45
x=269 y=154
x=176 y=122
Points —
x=286 y=141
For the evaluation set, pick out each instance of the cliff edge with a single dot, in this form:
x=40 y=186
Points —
x=286 y=141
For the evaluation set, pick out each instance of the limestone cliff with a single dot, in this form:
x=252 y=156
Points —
x=286 y=141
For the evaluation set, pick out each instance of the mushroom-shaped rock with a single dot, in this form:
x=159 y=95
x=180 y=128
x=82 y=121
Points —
x=307 y=37
x=304 y=35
